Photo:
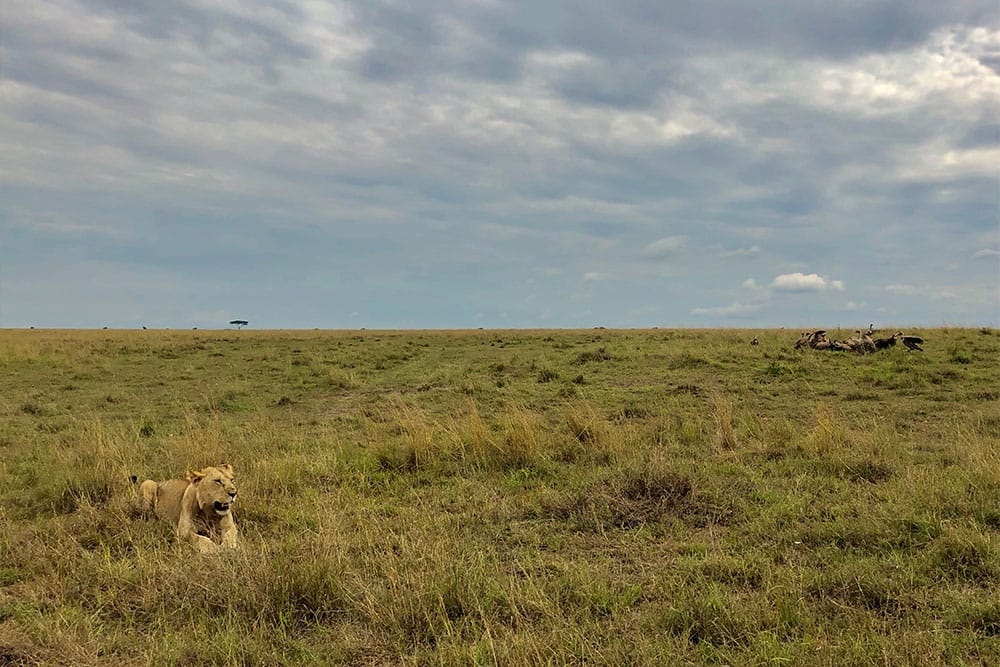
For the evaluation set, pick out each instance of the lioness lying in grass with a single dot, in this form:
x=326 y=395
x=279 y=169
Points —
x=199 y=506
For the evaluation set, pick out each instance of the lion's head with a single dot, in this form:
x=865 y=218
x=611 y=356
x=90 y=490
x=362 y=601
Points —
x=215 y=488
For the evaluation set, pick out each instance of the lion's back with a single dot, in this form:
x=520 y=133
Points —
x=168 y=499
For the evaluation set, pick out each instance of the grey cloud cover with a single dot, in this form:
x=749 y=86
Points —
x=453 y=164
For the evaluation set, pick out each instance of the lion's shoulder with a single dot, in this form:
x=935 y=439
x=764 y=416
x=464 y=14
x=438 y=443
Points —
x=173 y=488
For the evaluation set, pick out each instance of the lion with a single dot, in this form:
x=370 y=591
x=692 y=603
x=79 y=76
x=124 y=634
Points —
x=198 y=506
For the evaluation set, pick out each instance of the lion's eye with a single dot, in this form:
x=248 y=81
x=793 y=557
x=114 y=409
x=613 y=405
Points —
x=219 y=482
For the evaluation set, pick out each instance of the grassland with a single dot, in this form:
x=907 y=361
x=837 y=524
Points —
x=604 y=497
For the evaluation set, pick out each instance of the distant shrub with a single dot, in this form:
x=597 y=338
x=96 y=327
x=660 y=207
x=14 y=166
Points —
x=146 y=430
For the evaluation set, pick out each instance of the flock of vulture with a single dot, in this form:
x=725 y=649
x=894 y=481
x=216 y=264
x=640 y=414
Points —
x=861 y=343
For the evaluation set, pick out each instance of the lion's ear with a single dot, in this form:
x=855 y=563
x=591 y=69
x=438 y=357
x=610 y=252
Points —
x=194 y=476
x=226 y=468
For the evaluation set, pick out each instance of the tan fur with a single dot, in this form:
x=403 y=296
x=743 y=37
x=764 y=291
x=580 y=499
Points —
x=199 y=506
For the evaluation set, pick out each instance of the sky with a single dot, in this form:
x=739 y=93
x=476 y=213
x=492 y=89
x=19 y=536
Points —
x=499 y=164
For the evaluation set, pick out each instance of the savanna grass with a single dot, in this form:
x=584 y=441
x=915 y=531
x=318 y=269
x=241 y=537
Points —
x=503 y=497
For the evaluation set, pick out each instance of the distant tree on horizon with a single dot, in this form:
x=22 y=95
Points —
x=239 y=323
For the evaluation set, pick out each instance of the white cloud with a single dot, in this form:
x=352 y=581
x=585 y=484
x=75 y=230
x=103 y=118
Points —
x=853 y=306
x=732 y=310
x=750 y=283
x=933 y=291
x=593 y=276
x=986 y=252
x=802 y=282
x=741 y=252
x=665 y=246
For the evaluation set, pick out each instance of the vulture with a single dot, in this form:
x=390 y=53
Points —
x=817 y=340
x=854 y=344
x=867 y=344
x=885 y=343
x=912 y=342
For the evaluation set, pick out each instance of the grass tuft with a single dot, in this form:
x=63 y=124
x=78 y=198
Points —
x=725 y=434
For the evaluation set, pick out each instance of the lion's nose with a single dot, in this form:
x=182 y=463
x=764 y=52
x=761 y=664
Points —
x=232 y=494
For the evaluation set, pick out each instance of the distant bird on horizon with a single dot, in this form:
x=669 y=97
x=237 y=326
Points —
x=754 y=341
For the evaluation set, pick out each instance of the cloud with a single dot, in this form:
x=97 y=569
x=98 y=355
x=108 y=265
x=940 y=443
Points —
x=412 y=164
x=800 y=282
x=741 y=252
x=934 y=292
x=852 y=306
x=750 y=284
x=665 y=246
x=733 y=310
